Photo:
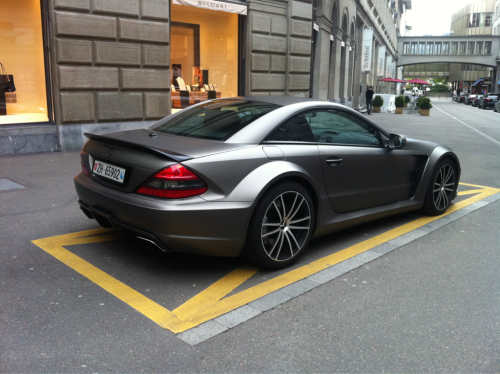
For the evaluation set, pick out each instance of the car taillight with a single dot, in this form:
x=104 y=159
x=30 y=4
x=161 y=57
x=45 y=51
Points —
x=174 y=182
x=487 y=99
x=84 y=168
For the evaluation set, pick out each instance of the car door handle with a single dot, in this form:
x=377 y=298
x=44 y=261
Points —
x=334 y=161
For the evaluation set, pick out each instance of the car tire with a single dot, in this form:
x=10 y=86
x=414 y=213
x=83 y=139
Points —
x=441 y=189
x=281 y=226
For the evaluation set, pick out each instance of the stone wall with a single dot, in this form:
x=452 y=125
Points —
x=112 y=62
x=279 y=47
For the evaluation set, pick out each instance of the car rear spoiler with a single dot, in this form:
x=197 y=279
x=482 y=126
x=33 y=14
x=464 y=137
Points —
x=148 y=149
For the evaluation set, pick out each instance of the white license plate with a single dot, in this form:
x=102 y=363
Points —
x=109 y=171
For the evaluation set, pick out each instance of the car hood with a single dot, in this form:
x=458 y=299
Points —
x=177 y=148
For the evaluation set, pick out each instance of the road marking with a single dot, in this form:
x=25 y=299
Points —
x=216 y=291
x=210 y=303
x=469 y=192
x=470 y=127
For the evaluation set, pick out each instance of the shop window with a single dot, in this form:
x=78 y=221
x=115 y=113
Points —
x=487 y=22
x=438 y=49
x=446 y=48
x=454 y=48
x=22 y=56
x=430 y=48
x=487 y=48
x=414 y=48
x=474 y=20
x=406 y=48
x=479 y=48
x=463 y=46
x=421 y=49
x=482 y=19
x=470 y=48
x=203 y=55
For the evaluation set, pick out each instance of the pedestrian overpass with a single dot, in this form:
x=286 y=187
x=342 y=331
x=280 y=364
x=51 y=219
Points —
x=479 y=49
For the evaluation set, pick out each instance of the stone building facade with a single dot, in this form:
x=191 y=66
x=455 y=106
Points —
x=108 y=62
x=476 y=18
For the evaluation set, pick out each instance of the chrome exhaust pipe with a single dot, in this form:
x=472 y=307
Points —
x=151 y=243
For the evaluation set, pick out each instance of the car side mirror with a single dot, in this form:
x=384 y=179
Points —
x=396 y=141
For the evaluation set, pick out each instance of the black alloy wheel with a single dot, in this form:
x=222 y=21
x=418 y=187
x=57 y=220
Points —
x=441 y=189
x=281 y=226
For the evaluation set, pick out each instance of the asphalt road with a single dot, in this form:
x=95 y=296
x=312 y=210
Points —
x=432 y=305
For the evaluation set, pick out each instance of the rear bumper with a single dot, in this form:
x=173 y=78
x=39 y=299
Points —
x=191 y=225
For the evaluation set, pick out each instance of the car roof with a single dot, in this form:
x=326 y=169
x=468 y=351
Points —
x=275 y=99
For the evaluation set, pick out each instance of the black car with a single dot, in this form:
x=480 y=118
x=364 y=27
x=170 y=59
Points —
x=475 y=101
x=488 y=100
x=461 y=97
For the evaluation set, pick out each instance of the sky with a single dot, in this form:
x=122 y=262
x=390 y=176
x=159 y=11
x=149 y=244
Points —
x=432 y=17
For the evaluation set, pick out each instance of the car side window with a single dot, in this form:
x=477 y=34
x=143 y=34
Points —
x=334 y=126
x=294 y=129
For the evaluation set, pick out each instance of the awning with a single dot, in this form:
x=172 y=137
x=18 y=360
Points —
x=479 y=80
x=221 y=6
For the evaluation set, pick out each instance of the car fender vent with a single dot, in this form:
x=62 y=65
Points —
x=419 y=173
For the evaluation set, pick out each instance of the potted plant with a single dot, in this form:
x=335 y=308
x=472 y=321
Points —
x=424 y=106
x=407 y=100
x=378 y=101
x=400 y=102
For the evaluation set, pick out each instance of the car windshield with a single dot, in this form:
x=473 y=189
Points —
x=214 y=120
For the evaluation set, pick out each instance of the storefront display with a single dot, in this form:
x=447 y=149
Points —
x=23 y=94
x=203 y=55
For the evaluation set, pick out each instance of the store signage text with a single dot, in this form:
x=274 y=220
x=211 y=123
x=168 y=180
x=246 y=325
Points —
x=214 y=5
x=381 y=61
x=367 y=49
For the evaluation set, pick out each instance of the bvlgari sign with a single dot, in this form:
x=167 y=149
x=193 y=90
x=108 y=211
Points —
x=214 y=5
x=367 y=49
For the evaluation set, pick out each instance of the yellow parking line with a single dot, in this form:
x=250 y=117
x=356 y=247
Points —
x=128 y=295
x=251 y=294
x=211 y=303
x=473 y=185
x=470 y=192
x=216 y=291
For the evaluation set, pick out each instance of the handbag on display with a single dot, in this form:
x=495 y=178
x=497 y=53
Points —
x=6 y=80
x=10 y=97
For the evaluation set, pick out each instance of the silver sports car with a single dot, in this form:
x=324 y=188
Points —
x=259 y=177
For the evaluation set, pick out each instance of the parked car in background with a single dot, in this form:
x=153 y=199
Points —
x=469 y=98
x=488 y=100
x=497 y=106
x=475 y=101
x=461 y=98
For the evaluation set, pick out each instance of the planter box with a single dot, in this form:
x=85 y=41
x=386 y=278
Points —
x=424 y=112
x=376 y=109
x=399 y=110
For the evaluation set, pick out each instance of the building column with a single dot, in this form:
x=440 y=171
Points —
x=322 y=60
x=334 y=84
x=373 y=73
x=494 y=79
x=350 y=79
x=375 y=66
x=386 y=74
x=356 y=86
x=345 y=70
